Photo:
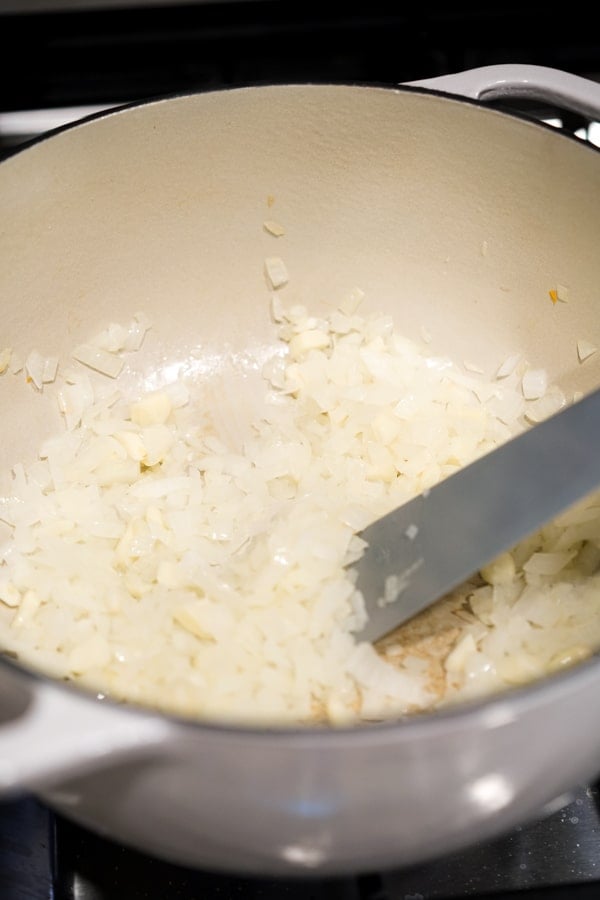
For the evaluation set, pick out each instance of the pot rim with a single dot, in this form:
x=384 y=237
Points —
x=389 y=87
x=499 y=708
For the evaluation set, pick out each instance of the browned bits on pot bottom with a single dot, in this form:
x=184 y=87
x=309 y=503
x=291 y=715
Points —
x=429 y=637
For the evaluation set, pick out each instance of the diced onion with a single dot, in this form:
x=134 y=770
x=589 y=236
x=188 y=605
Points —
x=534 y=384
x=96 y=358
x=273 y=227
x=508 y=366
x=585 y=349
x=277 y=272
x=34 y=366
x=156 y=559
x=5 y=357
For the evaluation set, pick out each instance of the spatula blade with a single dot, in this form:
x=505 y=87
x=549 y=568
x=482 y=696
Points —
x=427 y=547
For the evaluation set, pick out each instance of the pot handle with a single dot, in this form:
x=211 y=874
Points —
x=53 y=732
x=572 y=92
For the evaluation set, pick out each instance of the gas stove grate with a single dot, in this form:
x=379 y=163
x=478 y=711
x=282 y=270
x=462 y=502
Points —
x=557 y=857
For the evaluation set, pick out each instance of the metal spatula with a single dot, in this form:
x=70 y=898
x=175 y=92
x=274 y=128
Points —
x=424 y=549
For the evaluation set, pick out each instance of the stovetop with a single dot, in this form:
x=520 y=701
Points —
x=556 y=857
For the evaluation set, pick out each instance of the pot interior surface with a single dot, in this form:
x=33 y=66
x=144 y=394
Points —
x=455 y=219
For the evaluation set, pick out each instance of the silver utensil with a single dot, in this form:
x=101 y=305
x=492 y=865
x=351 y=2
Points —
x=430 y=545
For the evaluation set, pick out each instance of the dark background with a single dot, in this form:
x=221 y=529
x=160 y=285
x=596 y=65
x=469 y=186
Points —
x=56 y=53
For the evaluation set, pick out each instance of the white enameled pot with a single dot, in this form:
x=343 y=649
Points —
x=159 y=206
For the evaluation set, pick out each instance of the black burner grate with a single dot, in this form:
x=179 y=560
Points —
x=557 y=857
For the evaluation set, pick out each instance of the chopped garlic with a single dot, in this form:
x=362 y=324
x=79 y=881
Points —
x=277 y=272
x=133 y=444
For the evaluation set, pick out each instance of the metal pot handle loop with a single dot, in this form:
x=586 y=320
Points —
x=572 y=92
x=60 y=734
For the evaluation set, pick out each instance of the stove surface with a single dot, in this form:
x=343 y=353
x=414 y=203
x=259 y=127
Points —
x=45 y=857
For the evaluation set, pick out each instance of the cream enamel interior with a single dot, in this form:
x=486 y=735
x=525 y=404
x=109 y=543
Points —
x=454 y=218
